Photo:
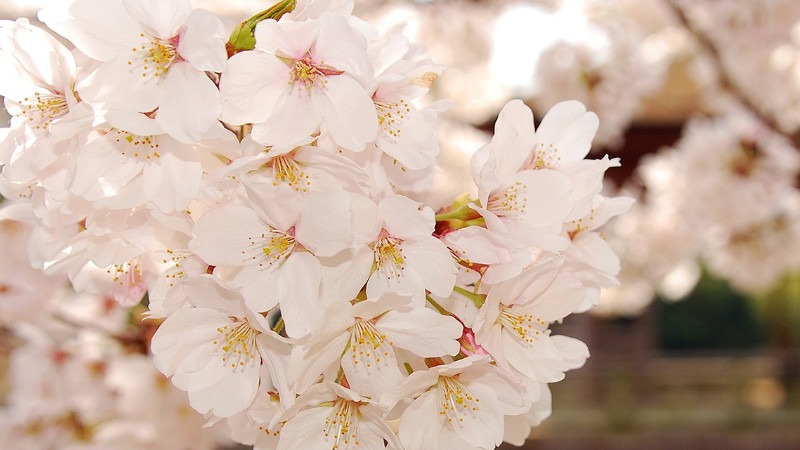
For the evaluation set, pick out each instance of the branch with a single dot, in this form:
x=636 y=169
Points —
x=725 y=81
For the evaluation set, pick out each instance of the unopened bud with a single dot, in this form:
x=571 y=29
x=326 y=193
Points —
x=243 y=36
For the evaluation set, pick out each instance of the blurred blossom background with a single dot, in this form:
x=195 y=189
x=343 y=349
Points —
x=699 y=345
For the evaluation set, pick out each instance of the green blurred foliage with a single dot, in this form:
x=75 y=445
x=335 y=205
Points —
x=712 y=316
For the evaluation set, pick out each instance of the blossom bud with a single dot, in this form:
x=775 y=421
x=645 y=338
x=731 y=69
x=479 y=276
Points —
x=243 y=36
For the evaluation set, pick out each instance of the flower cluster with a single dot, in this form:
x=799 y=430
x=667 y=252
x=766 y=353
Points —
x=258 y=191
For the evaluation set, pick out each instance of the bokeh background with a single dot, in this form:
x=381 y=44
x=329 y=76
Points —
x=699 y=346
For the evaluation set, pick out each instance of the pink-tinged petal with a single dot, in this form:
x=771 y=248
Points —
x=309 y=361
x=189 y=103
x=531 y=283
x=548 y=196
x=349 y=112
x=345 y=274
x=591 y=249
x=478 y=245
x=185 y=329
x=449 y=440
x=405 y=282
x=202 y=43
x=406 y=218
x=375 y=306
x=297 y=290
x=101 y=170
x=551 y=238
x=375 y=430
x=422 y=331
x=331 y=171
x=231 y=394
x=206 y=292
x=372 y=375
x=7 y=145
x=102 y=29
x=573 y=351
x=305 y=430
x=129 y=196
x=368 y=225
x=251 y=86
x=434 y=264
x=560 y=299
x=540 y=360
x=411 y=140
x=133 y=122
x=569 y=129
x=508 y=390
x=275 y=356
x=516 y=429
x=513 y=138
x=258 y=287
x=606 y=208
x=587 y=181
x=32 y=60
x=163 y=18
x=286 y=38
x=293 y=120
x=420 y=424
x=481 y=429
x=341 y=47
x=171 y=183
x=119 y=85
x=17 y=83
x=223 y=233
x=324 y=225
x=496 y=273
x=79 y=118
x=487 y=179
x=275 y=206
x=314 y=10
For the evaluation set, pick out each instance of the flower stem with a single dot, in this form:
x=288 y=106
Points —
x=477 y=299
x=243 y=36
x=278 y=326
x=437 y=306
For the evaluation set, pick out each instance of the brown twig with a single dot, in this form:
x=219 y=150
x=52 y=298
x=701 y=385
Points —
x=727 y=83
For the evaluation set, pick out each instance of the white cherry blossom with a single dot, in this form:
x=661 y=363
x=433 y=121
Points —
x=215 y=348
x=153 y=54
x=330 y=416
x=459 y=405
x=513 y=323
x=307 y=69
x=273 y=253
x=363 y=337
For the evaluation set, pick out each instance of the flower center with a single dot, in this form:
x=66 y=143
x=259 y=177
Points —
x=367 y=345
x=455 y=401
x=341 y=426
x=154 y=57
x=508 y=201
x=143 y=148
x=237 y=344
x=388 y=257
x=270 y=247
x=543 y=157
x=391 y=117
x=524 y=325
x=126 y=274
x=308 y=72
x=42 y=109
x=287 y=170
x=175 y=261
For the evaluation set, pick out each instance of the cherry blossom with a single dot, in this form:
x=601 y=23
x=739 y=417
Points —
x=153 y=56
x=297 y=71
